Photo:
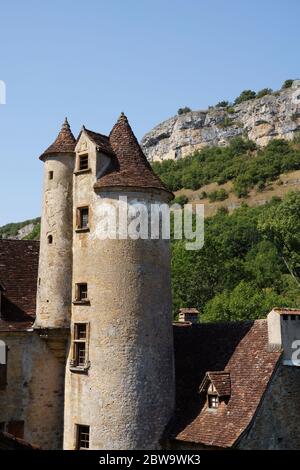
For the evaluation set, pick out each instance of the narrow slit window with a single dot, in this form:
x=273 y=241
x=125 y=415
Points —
x=83 y=162
x=83 y=217
x=83 y=437
x=80 y=345
x=3 y=364
x=50 y=175
x=50 y=239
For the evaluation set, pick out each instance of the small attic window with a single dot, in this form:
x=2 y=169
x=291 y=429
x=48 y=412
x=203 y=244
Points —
x=83 y=162
x=285 y=317
x=213 y=401
x=50 y=239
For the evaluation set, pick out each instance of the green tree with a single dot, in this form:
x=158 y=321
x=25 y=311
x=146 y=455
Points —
x=222 y=104
x=287 y=84
x=184 y=110
x=264 y=92
x=281 y=225
x=245 y=96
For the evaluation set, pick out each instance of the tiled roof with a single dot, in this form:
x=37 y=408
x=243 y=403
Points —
x=189 y=311
x=130 y=167
x=239 y=348
x=287 y=311
x=64 y=143
x=220 y=380
x=102 y=141
x=18 y=274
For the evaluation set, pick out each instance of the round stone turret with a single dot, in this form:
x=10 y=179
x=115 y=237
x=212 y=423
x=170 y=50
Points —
x=55 y=262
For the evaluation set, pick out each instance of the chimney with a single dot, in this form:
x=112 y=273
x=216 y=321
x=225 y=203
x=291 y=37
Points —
x=188 y=315
x=284 y=334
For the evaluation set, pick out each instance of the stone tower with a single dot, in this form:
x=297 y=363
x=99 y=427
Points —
x=55 y=262
x=119 y=388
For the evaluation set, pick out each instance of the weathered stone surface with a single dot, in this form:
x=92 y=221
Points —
x=35 y=388
x=126 y=395
x=55 y=262
x=270 y=117
x=277 y=423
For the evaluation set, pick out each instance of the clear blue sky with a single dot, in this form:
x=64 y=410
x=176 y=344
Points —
x=91 y=59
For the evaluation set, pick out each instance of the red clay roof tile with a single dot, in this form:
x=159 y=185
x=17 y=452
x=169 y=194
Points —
x=18 y=274
x=130 y=167
x=64 y=143
x=239 y=348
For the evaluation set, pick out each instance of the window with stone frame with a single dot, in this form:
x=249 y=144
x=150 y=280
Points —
x=80 y=345
x=83 y=162
x=82 y=437
x=81 y=294
x=83 y=217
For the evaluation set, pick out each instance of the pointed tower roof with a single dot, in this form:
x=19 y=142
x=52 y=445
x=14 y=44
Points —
x=130 y=167
x=65 y=142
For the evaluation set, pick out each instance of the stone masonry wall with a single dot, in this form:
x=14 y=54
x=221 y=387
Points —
x=277 y=423
x=35 y=389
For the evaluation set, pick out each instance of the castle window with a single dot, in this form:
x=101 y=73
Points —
x=213 y=401
x=83 y=162
x=16 y=428
x=80 y=345
x=82 y=292
x=83 y=218
x=50 y=175
x=50 y=239
x=82 y=437
x=3 y=364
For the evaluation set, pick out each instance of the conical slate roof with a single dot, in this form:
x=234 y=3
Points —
x=64 y=143
x=130 y=167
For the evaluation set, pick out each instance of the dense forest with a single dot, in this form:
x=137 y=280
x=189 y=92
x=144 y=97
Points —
x=250 y=263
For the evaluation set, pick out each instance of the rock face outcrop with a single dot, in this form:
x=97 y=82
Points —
x=273 y=116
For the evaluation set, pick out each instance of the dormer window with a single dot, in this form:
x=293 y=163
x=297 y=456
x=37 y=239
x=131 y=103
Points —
x=213 y=401
x=83 y=162
x=217 y=388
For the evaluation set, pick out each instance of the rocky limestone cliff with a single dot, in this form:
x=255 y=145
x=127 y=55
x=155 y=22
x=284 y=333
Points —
x=273 y=116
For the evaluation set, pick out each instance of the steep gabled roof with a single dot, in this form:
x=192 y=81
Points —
x=101 y=140
x=65 y=142
x=238 y=348
x=18 y=274
x=220 y=380
x=130 y=167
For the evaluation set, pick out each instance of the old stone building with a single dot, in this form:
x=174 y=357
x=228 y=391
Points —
x=89 y=357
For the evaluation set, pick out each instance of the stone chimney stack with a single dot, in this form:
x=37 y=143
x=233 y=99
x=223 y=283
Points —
x=188 y=315
x=284 y=333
